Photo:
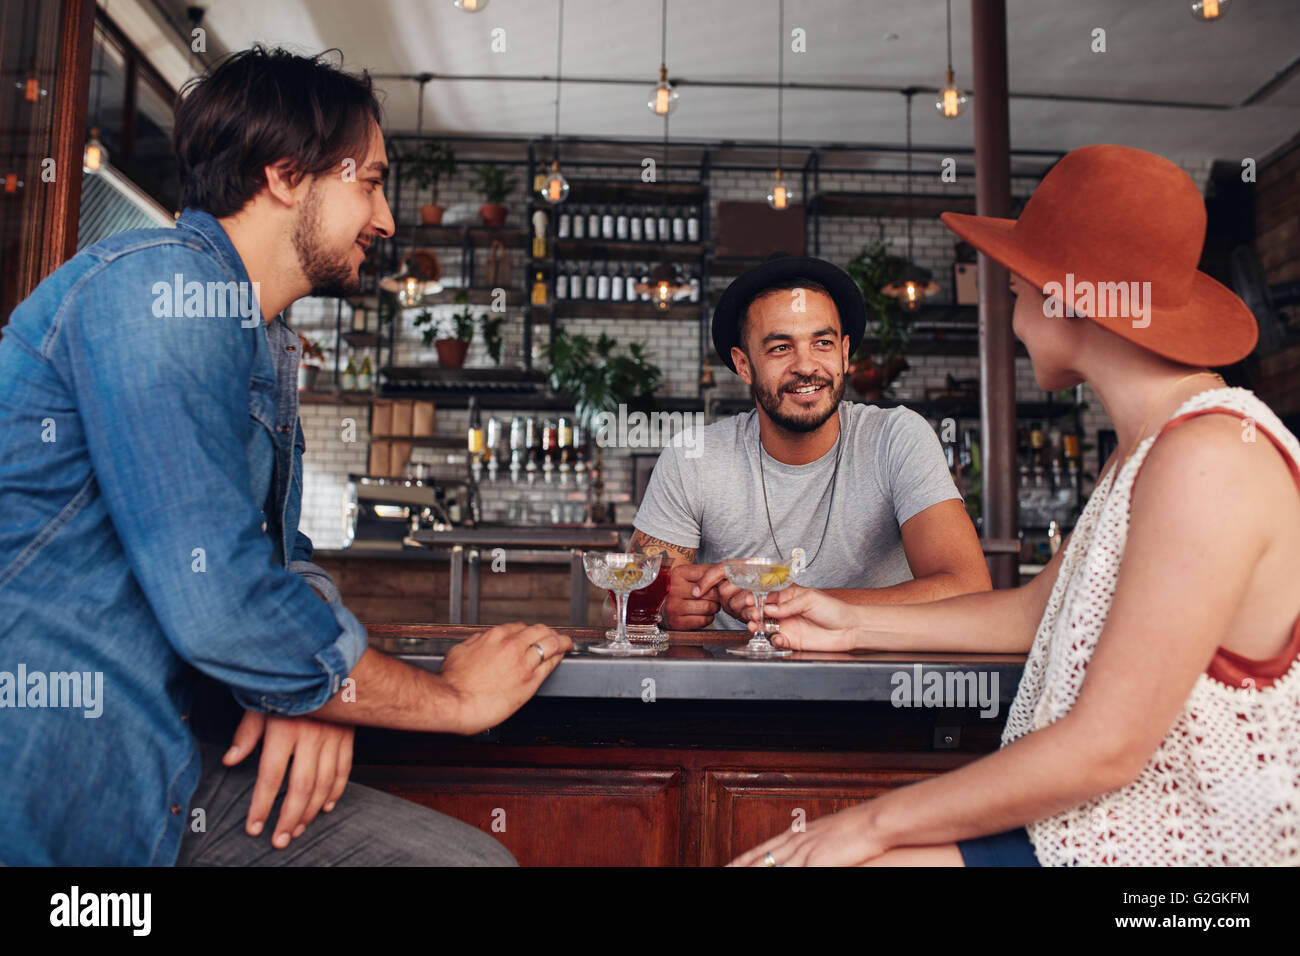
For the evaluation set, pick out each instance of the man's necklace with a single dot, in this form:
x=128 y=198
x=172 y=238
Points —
x=834 y=478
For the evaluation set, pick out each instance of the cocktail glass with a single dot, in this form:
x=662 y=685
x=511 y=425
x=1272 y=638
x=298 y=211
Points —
x=760 y=577
x=622 y=573
x=644 y=611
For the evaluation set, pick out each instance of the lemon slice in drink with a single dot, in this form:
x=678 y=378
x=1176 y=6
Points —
x=775 y=576
x=629 y=575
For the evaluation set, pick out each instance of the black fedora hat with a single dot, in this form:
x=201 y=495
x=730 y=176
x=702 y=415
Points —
x=774 y=270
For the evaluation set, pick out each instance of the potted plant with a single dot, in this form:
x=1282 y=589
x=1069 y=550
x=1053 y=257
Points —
x=495 y=186
x=873 y=269
x=596 y=380
x=452 y=335
x=430 y=163
x=310 y=364
x=492 y=338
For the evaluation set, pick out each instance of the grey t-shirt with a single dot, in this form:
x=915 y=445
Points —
x=706 y=493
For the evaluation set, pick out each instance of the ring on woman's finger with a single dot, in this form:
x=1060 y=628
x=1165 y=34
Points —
x=772 y=627
x=769 y=859
x=540 y=653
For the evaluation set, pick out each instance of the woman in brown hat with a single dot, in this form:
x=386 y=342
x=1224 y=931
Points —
x=1156 y=721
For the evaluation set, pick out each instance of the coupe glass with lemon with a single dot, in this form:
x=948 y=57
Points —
x=760 y=577
x=622 y=573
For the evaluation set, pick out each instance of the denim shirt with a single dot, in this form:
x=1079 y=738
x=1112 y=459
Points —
x=150 y=488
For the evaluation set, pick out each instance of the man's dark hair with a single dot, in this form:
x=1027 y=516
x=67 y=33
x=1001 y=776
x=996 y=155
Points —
x=784 y=285
x=262 y=107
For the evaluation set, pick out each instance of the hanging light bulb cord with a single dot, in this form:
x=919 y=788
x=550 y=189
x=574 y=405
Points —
x=663 y=38
x=780 y=80
x=949 y=34
x=559 y=60
x=908 y=96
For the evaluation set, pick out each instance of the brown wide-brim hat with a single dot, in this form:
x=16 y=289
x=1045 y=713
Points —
x=1113 y=214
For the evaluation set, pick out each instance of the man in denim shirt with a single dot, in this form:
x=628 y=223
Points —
x=150 y=485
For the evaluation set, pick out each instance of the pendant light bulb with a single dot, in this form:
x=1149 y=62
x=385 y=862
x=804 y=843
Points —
x=1209 y=10
x=780 y=196
x=95 y=155
x=951 y=101
x=470 y=6
x=556 y=188
x=412 y=292
x=663 y=98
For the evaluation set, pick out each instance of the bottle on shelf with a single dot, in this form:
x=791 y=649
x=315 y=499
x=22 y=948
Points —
x=607 y=223
x=602 y=283
x=563 y=224
x=564 y=441
x=539 y=288
x=589 y=282
x=593 y=223
x=629 y=283
x=679 y=225
x=348 y=380
x=634 y=226
x=665 y=228
x=365 y=376
x=648 y=226
x=693 y=225
x=695 y=288
x=562 y=280
x=575 y=281
x=579 y=223
x=620 y=223
x=516 y=446
x=617 y=284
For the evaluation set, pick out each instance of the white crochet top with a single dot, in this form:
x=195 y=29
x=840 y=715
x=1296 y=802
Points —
x=1223 y=787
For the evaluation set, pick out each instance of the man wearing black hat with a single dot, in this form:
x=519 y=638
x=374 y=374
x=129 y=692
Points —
x=860 y=496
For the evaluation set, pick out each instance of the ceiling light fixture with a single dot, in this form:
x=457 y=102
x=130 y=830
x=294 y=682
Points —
x=470 y=6
x=663 y=98
x=555 y=189
x=913 y=285
x=665 y=284
x=951 y=102
x=780 y=195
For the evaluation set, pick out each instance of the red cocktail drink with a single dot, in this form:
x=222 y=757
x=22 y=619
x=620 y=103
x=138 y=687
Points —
x=643 y=605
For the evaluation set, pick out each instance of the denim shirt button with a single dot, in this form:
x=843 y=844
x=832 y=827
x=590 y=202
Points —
x=176 y=809
x=184 y=717
x=282 y=429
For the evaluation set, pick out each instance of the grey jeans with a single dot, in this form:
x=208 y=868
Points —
x=366 y=828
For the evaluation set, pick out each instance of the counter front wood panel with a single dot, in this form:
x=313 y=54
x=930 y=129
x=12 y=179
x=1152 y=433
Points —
x=557 y=816
x=746 y=808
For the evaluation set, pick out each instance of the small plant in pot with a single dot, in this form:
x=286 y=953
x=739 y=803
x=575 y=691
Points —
x=873 y=269
x=309 y=366
x=429 y=164
x=495 y=186
x=450 y=336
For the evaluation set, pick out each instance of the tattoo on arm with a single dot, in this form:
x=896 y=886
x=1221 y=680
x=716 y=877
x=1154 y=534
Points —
x=673 y=554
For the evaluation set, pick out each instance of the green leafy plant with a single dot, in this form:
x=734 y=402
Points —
x=429 y=163
x=596 y=380
x=459 y=325
x=425 y=321
x=494 y=184
x=872 y=269
x=492 y=338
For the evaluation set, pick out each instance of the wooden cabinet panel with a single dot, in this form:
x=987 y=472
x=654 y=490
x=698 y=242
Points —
x=553 y=816
x=745 y=808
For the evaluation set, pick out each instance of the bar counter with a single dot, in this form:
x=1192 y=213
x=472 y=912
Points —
x=685 y=758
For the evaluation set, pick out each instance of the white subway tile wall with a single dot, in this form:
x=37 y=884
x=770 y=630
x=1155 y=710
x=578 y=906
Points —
x=673 y=344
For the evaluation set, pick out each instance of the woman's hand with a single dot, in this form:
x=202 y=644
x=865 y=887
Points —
x=322 y=761
x=847 y=838
x=811 y=620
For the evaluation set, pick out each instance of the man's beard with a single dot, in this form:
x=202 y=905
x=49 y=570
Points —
x=809 y=419
x=328 y=275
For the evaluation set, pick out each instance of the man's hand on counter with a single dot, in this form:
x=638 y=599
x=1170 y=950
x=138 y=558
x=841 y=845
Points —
x=322 y=761
x=494 y=673
x=685 y=610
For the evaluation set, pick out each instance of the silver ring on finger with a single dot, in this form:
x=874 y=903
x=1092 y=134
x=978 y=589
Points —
x=771 y=627
x=769 y=859
x=540 y=653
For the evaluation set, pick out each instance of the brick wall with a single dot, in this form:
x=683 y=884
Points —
x=673 y=344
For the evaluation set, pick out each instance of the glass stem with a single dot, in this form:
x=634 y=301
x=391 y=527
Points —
x=761 y=636
x=622 y=597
